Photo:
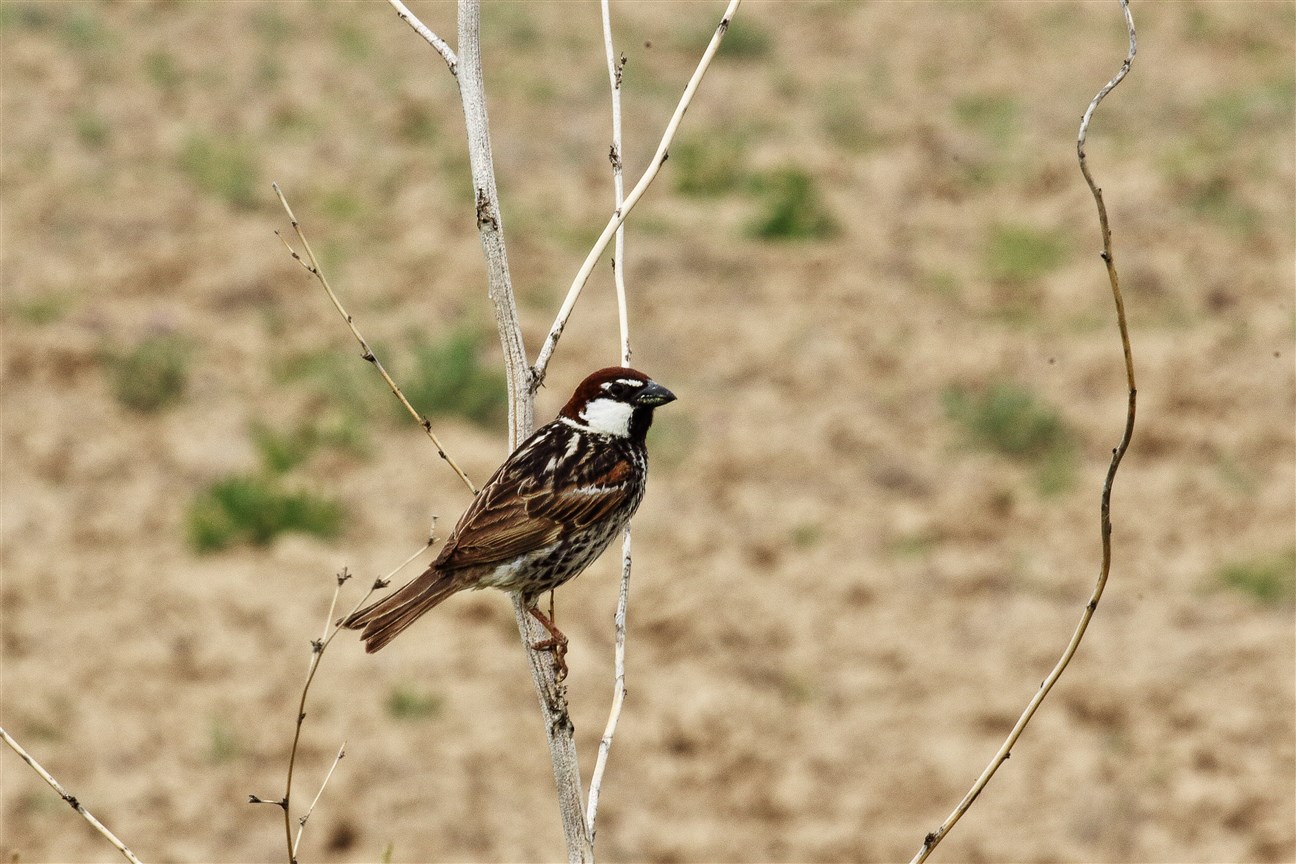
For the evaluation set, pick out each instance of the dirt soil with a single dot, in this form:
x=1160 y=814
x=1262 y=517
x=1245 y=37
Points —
x=846 y=588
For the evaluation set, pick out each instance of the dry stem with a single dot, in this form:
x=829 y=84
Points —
x=524 y=380
x=312 y=266
x=318 y=646
x=66 y=796
x=552 y=695
x=935 y=837
x=301 y=822
x=620 y=213
x=615 y=67
x=446 y=52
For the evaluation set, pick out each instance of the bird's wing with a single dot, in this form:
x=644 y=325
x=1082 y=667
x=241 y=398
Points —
x=530 y=503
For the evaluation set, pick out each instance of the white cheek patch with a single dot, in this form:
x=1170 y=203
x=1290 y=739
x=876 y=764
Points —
x=608 y=416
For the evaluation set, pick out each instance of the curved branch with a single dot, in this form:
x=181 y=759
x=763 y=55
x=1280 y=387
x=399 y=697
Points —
x=442 y=48
x=931 y=840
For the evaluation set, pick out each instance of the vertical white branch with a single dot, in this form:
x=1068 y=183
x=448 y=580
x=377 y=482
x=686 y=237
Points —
x=615 y=67
x=490 y=222
x=553 y=699
x=620 y=213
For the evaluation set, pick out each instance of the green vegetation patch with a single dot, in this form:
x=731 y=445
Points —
x=43 y=309
x=792 y=208
x=152 y=375
x=408 y=703
x=1268 y=579
x=1018 y=254
x=993 y=115
x=452 y=377
x=255 y=509
x=1009 y=419
x=708 y=167
x=225 y=169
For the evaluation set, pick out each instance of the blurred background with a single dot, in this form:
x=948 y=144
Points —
x=870 y=272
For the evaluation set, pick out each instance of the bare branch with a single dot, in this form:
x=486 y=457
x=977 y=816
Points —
x=312 y=266
x=301 y=822
x=446 y=52
x=318 y=647
x=618 y=690
x=552 y=695
x=490 y=224
x=615 y=67
x=619 y=215
x=931 y=840
x=69 y=798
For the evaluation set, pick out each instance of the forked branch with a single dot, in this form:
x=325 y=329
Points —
x=318 y=647
x=620 y=213
x=1118 y=453
x=523 y=379
x=446 y=52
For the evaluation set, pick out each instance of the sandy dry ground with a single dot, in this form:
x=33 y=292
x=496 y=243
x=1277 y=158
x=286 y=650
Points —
x=842 y=599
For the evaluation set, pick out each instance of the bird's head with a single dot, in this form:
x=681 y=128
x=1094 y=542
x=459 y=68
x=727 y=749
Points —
x=617 y=401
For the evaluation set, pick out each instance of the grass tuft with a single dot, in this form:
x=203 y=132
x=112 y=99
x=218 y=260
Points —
x=91 y=129
x=223 y=744
x=746 y=41
x=709 y=167
x=992 y=115
x=1268 y=579
x=252 y=509
x=44 y=309
x=1010 y=420
x=791 y=208
x=450 y=378
x=407 y=703
x=163 y=70
x=282 y=451
x=1017 y=254
x=152 y=375
x=226 y=169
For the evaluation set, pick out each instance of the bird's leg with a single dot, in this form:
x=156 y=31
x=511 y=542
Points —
x=557 y=642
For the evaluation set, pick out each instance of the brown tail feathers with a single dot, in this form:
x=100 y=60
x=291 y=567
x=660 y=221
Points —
x=384 y=620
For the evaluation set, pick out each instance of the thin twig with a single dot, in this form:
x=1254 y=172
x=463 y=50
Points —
x=446 y=52
x=318 y=647
x=616 y=67
x=66 y=796
x=618 y=689
x=301 y=822
x=620 y=213
x=935 y=837
x=311 y=264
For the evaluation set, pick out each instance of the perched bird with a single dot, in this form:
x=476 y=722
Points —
x=546 y=514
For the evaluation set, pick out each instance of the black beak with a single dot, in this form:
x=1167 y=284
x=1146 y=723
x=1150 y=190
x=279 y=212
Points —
x=652 y=395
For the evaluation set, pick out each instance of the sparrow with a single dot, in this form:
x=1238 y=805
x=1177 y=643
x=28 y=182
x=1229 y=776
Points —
x=546 y=513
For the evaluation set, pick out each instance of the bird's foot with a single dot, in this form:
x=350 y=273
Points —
x=556 y=643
